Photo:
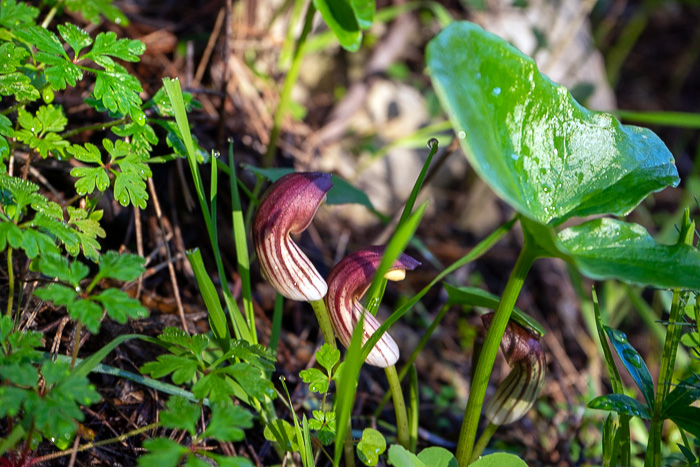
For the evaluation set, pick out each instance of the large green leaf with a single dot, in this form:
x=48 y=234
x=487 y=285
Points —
x=608 y=248
x=538 y=149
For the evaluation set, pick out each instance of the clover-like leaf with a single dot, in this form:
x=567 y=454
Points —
x=324 y=425
x=317 y=381
x=536 y=147
x=371 y=446
x=328 y=356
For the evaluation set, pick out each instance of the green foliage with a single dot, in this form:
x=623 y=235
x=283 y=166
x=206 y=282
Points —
x=41 y=394
x=500 y=459
x=435 y=457
x=543 y=153
x=189 y=363
x=226 y=424
x=86 y=306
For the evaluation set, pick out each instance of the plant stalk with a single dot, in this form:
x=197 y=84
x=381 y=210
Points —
x=11 y=281
x=483 y=441
x=487 y=358
x=324 y=322
x=399 y=407
x=668 y=360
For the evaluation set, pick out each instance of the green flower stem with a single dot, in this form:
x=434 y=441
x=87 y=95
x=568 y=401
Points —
x=399 y=406
x=324 y=321
x=484 y=365
x=668 y=360
x=483 y=441
x=414 y=355
x=413 y=411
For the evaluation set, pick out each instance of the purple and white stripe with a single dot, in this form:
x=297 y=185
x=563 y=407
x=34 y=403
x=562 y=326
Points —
x=287 y=208
x=348 y=281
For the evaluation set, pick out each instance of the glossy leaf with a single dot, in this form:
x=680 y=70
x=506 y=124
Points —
x=499 y=459
x=538 y=149
x=622 y=404
x=608 y=248
x=401 y=457
x=634 y=364
x=371 y=446
x=437 y=457
x=687 y=418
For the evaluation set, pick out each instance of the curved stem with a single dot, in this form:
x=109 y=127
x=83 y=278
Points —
x=399 y=406
x=484 y=366
x=324 y=321
x=483 y=441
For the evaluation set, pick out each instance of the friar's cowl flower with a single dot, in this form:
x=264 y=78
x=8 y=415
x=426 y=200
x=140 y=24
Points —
x=288 y=207
x=518 y=392
x=347 y=283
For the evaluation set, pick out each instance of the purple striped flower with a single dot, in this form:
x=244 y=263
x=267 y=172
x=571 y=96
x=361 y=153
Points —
x=347 y=283
x=287 y=208
x=519 y=391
